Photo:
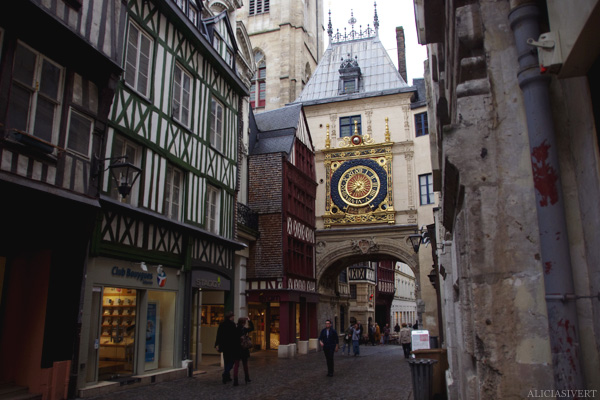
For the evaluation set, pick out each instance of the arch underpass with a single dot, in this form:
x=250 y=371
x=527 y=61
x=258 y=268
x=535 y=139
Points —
x=338 y=248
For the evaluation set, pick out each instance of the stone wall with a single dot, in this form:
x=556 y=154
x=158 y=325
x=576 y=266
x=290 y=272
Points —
x=495 y=310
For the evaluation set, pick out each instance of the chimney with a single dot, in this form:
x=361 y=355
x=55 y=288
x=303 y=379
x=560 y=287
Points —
x=401 y=52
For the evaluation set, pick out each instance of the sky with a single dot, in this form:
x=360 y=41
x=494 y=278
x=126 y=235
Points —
x=391 y=13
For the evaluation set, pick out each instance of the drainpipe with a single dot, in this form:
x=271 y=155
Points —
x=554 y=242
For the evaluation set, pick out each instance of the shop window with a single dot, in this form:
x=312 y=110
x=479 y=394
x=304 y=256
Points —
x=117 y=333
x=138 y=61
x=35 y=94
x=213 y=315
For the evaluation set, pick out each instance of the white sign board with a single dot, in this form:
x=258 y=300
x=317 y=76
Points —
x=420 y=340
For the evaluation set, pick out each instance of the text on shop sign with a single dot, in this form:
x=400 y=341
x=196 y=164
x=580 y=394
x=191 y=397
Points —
x=145 y=277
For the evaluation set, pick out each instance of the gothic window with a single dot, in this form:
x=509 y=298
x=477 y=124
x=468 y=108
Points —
x=258 y=90
x=138 y=60
x=426 y=189
x=182 y=88
x=421 y=124
x=36 y=94
x=347 y=125
x=258 y=7
x=216 y=124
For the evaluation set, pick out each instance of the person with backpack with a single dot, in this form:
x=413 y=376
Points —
x=347 y=339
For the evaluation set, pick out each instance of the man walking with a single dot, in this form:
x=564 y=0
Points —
x=329 y=343
x=227 y=342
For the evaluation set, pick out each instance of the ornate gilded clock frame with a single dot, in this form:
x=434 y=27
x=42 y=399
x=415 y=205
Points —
x=355 y=158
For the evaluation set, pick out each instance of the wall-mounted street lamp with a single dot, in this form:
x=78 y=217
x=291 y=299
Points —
x=123 y=172
x=416 y=239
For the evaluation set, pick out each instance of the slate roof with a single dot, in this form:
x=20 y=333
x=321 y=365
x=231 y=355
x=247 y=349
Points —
x=274 y=131
x=419 y=99
x=379 y=76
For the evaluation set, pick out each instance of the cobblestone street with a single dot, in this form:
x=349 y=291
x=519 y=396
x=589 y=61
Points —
x=379 y=372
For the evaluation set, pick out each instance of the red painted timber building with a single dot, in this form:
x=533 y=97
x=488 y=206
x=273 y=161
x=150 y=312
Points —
x=281 y=285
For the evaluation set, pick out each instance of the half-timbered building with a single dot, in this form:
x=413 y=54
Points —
x=161 y=272
x=59 y=64
x=280 y=282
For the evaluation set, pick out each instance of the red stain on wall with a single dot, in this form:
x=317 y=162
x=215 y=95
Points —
x=545 y=176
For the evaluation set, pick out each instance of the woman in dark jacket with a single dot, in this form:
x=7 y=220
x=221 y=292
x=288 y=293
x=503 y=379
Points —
x=241 y=353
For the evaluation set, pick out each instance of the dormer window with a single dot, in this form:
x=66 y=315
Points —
x=349 y=76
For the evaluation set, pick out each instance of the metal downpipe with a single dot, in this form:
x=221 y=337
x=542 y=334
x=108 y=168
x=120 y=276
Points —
x=554 y=242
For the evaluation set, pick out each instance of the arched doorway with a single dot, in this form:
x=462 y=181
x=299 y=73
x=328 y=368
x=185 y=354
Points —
x=338 y=249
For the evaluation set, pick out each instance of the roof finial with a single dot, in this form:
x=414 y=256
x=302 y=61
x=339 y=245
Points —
x=376 y=20
x=329 y=27
x=352 y=20
x=387 y=130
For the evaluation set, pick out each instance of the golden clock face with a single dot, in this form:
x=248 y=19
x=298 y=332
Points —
x=359 y=185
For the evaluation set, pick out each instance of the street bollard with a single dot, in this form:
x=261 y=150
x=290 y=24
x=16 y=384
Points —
x=421 y=370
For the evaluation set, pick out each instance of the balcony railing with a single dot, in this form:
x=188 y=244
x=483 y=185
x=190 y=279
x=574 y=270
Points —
x=246 y=217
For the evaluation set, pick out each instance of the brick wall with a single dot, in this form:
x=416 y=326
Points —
x=265 y=197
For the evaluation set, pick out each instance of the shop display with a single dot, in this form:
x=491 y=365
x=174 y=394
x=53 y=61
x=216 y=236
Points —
x=117 y=331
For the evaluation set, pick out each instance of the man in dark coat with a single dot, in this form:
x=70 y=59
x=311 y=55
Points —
x=330 y=343
x=228 y=341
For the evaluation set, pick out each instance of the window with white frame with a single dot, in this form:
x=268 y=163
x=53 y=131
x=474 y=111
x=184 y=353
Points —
x=35 y=94
x=79 y=134
x=138 y=61
x=173 y=193
x=123 y=147
x=213 y=201
x=426 y=189
x=182 y=88
x=216 y=125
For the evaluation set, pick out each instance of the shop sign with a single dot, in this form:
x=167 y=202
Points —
x=144 y=277
x=301 y=285
x=209 y=280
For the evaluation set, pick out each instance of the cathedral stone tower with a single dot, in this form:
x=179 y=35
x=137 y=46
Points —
x=287 y=41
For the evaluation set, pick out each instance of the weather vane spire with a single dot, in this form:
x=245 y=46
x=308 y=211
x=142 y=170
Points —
x=376 y=19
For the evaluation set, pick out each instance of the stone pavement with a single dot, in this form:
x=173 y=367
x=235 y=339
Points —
x=380 y=372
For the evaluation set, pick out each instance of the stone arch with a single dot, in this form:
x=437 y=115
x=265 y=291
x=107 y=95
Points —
x=333 y=257
x=338 y=248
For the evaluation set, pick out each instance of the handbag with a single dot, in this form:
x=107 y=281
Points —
x=246 y=342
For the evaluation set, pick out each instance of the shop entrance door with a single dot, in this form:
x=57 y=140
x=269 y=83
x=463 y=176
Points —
x=117 y=339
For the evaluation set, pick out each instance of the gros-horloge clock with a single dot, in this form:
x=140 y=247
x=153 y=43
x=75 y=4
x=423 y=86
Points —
x=359 y=183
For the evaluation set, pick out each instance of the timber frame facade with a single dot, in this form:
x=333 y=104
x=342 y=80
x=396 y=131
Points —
x=54 y=105
x=150 y=80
